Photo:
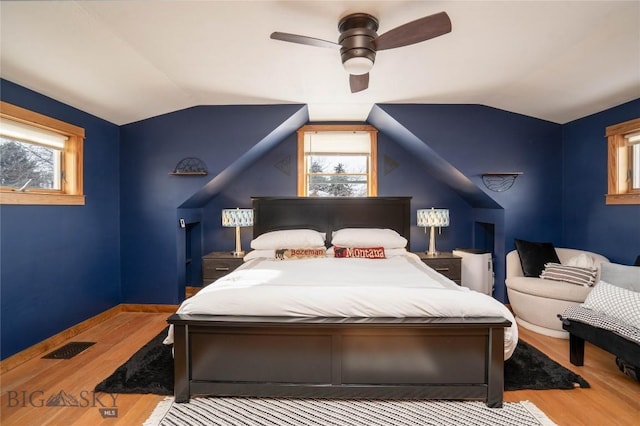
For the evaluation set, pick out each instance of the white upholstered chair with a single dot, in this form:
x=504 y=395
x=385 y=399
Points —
x=536 y=302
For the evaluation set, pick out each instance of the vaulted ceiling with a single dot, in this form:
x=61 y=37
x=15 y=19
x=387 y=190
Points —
x=125 y=61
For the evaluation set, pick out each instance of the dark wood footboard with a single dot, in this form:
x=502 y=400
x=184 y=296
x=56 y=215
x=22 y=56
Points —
x=432 y=358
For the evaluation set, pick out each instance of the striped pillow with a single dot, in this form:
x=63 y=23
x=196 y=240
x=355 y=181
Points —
x=569 y=274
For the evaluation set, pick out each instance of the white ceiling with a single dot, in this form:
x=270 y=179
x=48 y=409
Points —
x=125 y=61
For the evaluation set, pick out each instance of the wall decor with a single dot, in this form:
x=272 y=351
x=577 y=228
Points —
x=284 y=165
x=389 y=164
x=499 y=182
x=190 y=166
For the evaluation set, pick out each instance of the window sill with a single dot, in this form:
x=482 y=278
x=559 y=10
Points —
x=33 y=198
x=612 y=199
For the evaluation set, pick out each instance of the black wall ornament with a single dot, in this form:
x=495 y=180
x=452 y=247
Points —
x=190 y=166
x=499 y=182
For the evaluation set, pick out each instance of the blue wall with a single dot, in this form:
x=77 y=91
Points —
x=476 y=139
x=61 y=264
x=153 y=261
x=588 y=222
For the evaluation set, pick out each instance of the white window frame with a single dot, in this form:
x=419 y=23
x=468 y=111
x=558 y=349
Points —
x=372 y=174
x=71 y=140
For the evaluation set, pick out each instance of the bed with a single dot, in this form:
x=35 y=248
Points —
x=304 y=356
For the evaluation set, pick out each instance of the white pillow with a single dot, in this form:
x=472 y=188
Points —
x=298 y=238
x=388 y=252
x=616 y=302
x=368 y=237
x=582 y=260
x=257 y=254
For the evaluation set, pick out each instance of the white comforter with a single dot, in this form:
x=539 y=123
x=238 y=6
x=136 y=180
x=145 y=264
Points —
x=400 y=286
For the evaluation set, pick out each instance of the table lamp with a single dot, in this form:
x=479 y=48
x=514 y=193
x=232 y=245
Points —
x=431 y=218
x=238 y=218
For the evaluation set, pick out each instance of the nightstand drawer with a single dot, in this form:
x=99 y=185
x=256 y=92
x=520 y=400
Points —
x=445 y=263
x=218 y=264
x=218 y=268
x=448 y=267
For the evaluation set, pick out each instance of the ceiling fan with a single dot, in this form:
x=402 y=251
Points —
x=359 y=42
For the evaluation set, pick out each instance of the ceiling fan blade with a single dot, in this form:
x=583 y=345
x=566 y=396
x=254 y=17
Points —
x=414 y=32
x=359 y=82
x=310 y=41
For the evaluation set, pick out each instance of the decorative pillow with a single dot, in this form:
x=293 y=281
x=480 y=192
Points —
x=570 y=274
x=302 y=238
x=621 y=275
x=300 y=253
x=368 y=237
x=582 y=260
x=387 y=252
x=533 y=256
x=616 y=302
x=363 y=252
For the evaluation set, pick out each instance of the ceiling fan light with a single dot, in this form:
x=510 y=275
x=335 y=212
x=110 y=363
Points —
x=358 y=65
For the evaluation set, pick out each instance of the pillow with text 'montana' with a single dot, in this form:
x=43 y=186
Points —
x=361 y=252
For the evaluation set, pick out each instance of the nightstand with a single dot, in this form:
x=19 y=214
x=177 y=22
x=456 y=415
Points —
x=446 y=263
x=217 y=264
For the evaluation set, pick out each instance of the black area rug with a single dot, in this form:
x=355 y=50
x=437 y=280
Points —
x=528 y=368
x=150 y=370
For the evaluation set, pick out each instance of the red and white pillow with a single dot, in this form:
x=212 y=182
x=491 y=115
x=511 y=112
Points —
x=360 y=252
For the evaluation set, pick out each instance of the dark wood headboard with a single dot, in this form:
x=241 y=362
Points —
x=326 y=214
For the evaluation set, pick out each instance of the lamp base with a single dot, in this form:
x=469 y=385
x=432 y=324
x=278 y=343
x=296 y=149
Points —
x=238 y=252
x=432 y=242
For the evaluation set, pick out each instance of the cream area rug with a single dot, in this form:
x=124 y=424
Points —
x=335 y=412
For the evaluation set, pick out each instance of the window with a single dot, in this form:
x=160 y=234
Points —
x=337 y=161
x=624 y=163
x=633 y=141
x=40 y=158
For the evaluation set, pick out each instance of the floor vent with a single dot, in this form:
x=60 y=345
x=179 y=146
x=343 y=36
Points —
x=69 y=350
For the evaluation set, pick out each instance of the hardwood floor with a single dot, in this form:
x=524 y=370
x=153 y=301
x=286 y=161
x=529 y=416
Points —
x=26 y=388
x=613 y=398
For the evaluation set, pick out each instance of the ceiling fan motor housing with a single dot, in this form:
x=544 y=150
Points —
x=357 y=32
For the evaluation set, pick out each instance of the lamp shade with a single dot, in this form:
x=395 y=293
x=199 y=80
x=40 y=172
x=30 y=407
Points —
x=237 y=217
x=433 y=217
